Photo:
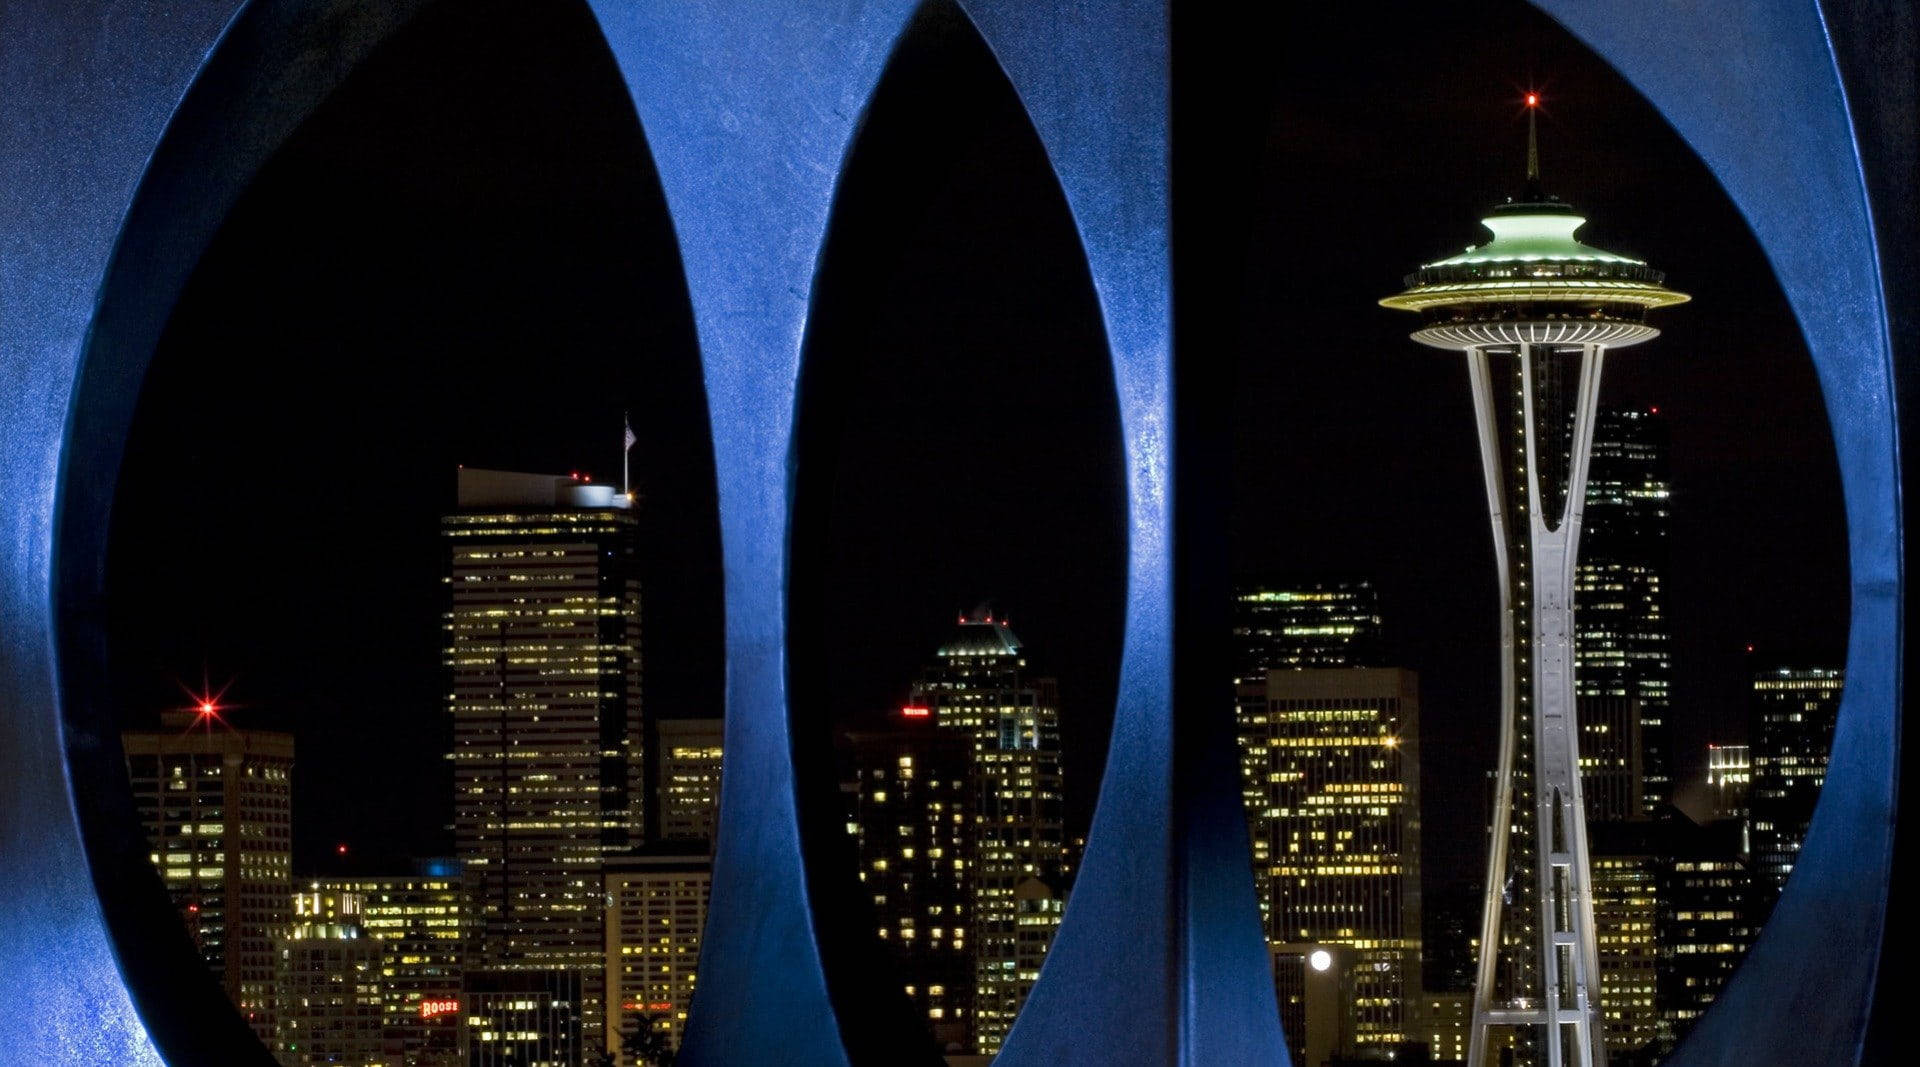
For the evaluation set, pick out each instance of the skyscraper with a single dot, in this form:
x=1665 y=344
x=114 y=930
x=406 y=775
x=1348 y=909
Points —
x=978 y=688
x=1535 y=312
x=1331 y=759
x=1306 y=623
x=1628 y=860
x=1729 y=778
x=523 y=1018
x=418 y=921
x=1793 y=711
x=1623 y=665
x=542 y=656
x=327 y=985
x=688 y=792
x=216 y=803
x=1708 y=920
x=656 y=916
x=916 y=828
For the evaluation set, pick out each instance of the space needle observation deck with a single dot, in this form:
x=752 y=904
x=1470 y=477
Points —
x=1535 y=311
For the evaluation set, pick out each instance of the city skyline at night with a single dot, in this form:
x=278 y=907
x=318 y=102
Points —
x=959 y=441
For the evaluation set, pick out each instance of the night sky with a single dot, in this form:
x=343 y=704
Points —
x=464 y=259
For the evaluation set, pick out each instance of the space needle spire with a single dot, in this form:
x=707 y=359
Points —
x=1535 y=311
x=1533 y=142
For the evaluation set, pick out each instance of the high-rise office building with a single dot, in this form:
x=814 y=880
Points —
x=1707 y=920
x=656 y=915
x=542 y=657
x=915 y=826
x=1331 y=759
x=327 y=986
x=1315 y=985
x=1791 y=719
x=523 y=1018
x=1444 y=1023
x=1623 y=663
x=688 y=793
x=979 y=688
x=1536 y=312
x=1627 y=868
x=1306 y=623
x=216 y=803
x=1729 y=779
x=418 y=921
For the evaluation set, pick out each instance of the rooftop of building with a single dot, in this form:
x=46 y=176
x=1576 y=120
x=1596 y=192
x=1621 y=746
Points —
x=982 y=634
x=479 y=489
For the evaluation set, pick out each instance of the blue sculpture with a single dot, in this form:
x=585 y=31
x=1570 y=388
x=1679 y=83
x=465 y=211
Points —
x=131 y=127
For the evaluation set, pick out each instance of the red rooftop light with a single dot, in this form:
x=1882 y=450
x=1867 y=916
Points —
x=1533 y=99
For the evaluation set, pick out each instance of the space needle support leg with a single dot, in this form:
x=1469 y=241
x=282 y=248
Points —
x=1569 y=973
x=1479 y=376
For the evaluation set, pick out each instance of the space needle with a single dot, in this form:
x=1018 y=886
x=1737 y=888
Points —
x=1535 y=312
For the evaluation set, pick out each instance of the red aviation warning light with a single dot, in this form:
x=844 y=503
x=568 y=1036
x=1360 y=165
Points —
x=1533 y=99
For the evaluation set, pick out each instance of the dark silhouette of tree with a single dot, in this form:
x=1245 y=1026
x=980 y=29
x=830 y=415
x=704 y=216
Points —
x=646 y=1043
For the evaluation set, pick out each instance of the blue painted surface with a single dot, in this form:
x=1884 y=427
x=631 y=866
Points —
x=1741 y=81
x=1160 y=958
x=85 y=99
x=750 y=111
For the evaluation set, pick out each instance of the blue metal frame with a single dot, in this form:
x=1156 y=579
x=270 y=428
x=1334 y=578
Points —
x=128 y=129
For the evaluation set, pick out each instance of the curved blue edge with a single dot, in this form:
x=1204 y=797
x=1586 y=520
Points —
x=770 y=95
x=87 y=99
x=1738 y=80
x=273 y=62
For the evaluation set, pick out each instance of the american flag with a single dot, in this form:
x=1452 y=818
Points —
x=631 y=439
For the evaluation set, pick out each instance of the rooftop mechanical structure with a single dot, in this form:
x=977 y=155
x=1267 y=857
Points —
x=1535 y=311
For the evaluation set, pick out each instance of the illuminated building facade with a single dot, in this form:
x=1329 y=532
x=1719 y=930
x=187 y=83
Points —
x=1536 y=311
x=915 y=827
x=1627 y=871
x=977 y=688
x=1332 y=758
x=1623 y=661
x=656 y=913
x=523 y=1018
x=216 y=804
x=1306 y=624
x=1729 y=779
x=419 y=922
x=1792 y=714
x=1708 y=920
x=1314 y=984
x=689 y=778
x=327 y=986
x=1444 y=1023
x=542 y=659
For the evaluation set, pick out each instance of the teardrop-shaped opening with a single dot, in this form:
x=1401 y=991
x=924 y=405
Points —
x=424 y=432
x=1710 y=590
x=958 y=549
